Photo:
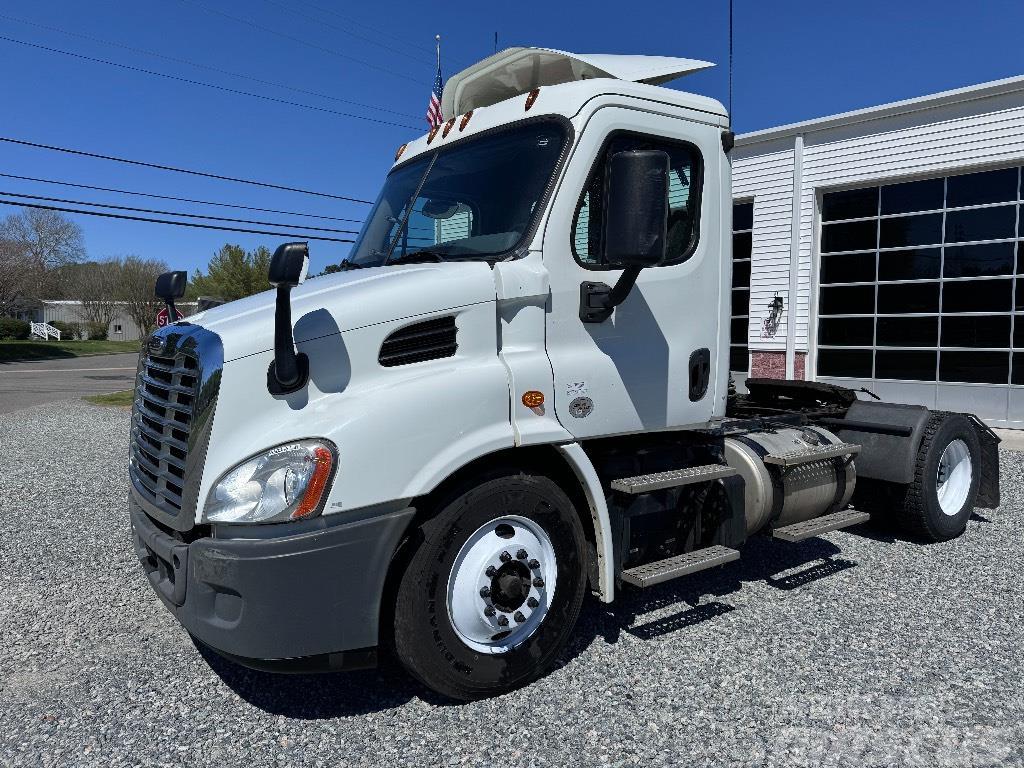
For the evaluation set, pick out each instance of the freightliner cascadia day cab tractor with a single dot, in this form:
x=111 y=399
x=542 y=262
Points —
x=515 y=391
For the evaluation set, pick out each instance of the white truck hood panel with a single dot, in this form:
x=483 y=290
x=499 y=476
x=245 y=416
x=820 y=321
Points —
x=344 y=301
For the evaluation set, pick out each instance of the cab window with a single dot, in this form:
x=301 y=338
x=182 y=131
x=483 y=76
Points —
x=683 y=199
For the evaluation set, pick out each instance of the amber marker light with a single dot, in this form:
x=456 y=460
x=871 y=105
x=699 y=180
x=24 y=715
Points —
x=401 y=149
x=433 y=133
x=447 y=128
x=465 y=121
x=324 y=461
x=532 y=97
x=533 y=399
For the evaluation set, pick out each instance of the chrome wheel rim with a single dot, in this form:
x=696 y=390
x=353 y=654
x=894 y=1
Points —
x=501 y=584
x=954 y=476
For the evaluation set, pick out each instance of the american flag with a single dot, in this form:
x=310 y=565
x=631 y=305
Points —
x=434 y=107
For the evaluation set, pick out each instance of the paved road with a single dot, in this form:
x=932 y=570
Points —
x=45 y=381
x=854 y=649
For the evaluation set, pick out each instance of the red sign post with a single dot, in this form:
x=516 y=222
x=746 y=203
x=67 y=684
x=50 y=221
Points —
x=163 y=317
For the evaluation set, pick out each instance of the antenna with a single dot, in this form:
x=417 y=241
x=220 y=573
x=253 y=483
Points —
x=730 y=63
x=495 y=41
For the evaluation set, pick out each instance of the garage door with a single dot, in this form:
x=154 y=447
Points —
x=918 y=291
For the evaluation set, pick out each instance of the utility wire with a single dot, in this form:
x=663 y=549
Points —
x=223 y=88
x=357 y=36
x=301 y=41
x=194 y=225
x=173 y=213
x=177 y=199
x=381 y=32
x=157 y=166
x=206 y=67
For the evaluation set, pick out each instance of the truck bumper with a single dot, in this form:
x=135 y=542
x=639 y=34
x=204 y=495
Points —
x=296 y=602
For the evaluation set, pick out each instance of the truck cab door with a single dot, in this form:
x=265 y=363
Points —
x=655 y=363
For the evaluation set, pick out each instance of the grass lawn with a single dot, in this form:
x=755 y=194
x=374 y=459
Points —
x=11 y=351
x=120 y=399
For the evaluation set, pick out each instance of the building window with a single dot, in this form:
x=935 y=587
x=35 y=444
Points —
x=919 y=281
x=117 y=328
x=742 y=246
x=683 y=199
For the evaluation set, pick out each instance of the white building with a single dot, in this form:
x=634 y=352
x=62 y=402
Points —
x=890 y=238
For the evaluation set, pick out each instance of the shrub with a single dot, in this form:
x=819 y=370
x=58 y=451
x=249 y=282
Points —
x=97 y=331
x=68 y=331
x=13 y=329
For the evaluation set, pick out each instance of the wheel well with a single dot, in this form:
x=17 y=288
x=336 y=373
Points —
x=541 y=460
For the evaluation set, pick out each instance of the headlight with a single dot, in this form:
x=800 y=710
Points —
x=285 y=483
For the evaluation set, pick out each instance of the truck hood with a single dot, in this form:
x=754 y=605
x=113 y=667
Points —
x=344 y=301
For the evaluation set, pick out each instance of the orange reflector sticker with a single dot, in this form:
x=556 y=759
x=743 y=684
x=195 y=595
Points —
x=533 y=399
x=401 y=149
x=532 y=97
x=465 y=121
x=447 y=128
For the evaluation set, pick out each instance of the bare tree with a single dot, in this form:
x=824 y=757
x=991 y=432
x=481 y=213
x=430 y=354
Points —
x=34 y=243
x=19 y=277
x=96 y=284
x=135 y=285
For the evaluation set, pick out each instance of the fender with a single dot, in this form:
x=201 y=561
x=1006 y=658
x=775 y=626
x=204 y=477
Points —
x=584 y=469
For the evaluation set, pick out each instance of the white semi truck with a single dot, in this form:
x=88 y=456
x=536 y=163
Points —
x=515 y=391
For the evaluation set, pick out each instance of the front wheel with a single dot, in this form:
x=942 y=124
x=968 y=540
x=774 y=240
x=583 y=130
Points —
x=493 y=587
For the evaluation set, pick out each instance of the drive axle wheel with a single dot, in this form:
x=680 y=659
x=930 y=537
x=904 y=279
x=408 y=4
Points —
x=492 y=591
x=939 y=502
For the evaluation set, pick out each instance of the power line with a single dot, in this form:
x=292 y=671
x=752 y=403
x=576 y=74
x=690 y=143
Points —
x=300 y=41
x=172 y=213
x=349 y=20
x=223 y=88
x=208 y=67
x=177 y=199
x=159 y=167
x=349 y=32
x=194 y=225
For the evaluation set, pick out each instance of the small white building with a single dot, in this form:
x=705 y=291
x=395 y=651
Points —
x=121 y=328
x=881 y=248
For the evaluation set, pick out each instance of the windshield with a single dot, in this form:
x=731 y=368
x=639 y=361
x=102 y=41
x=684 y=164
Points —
x=468 y=201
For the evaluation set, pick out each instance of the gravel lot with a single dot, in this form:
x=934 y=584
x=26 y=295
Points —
x=851 y=649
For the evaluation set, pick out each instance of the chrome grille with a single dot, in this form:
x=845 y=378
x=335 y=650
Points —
x=175 y=391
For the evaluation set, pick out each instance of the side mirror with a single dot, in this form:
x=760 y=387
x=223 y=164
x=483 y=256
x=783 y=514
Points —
x=635 y=227
x=289 y=264
x=636 y=208
x=171 y=286
x=288 y=371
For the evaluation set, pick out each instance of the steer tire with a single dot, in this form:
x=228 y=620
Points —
x=425 y=638
x=919 y=512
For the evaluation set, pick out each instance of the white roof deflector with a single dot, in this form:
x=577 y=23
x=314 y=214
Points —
x=515 y=71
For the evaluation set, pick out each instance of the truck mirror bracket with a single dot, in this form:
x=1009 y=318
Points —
x=599 y=300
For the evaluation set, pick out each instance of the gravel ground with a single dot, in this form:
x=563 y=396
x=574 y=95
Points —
x=852 y=649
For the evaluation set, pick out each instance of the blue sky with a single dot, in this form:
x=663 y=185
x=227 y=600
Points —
x=794 y=61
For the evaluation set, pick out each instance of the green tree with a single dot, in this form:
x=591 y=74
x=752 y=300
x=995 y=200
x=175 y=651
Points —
x=232 y=274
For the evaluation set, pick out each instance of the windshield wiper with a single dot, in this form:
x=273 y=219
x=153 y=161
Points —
x=408 y=210
x=421 y=255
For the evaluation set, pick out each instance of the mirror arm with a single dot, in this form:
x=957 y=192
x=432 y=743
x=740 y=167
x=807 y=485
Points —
x=288 y=371
x=598 y=300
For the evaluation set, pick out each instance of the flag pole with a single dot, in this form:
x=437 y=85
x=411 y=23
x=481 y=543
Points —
x=438 y=39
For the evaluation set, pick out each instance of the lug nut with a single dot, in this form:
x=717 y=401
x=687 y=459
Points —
x=531 y=602
x=534 y=563
x=485 y=592
x=489 y=611
x=503 y=620
x=519 y=617
x=538 y=582
x=491 y=572
x=505 y=557
x=522 y=554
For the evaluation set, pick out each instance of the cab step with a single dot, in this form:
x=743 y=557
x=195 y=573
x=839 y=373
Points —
x=816 y=526
x=807 y=455
x=649 y=574
x=672 y=479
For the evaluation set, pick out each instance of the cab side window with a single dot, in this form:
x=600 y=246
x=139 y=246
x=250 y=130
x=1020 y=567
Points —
x=683 y=199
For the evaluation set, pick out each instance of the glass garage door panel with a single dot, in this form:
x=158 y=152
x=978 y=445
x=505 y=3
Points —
x=917 y=284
